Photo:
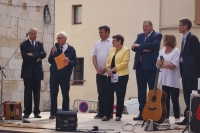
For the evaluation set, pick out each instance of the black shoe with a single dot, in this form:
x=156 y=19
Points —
x=98 y=116
x=181 y=123
x=117 y=119
x=105 y=119
x=37 y=116
x=26 y=116
x=52 y=117
x=138 y=118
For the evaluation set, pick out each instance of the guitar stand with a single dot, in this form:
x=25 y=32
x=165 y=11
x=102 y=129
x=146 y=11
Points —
x=143 y=123
x=152 y=126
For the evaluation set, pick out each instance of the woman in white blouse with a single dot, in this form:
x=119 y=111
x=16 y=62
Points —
x=170 y=73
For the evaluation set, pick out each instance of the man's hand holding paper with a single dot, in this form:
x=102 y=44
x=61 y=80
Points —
x=61 y=61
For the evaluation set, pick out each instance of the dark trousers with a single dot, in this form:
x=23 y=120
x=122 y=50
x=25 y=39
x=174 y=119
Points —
x=101 y=85
x=143 y=77
x=31 y=85
x=120 y=88
x=174 y=94
x=188 y=86
x=55 y=81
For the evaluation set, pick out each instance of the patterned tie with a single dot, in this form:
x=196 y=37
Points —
x=146 y=36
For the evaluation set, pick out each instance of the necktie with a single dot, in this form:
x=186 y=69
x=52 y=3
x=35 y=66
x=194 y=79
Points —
x=32 y=43
x=145 y=38
x=182 y=44
x=61 y=47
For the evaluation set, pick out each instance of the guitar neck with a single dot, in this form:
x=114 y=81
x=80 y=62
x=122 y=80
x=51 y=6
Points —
x=156 y=80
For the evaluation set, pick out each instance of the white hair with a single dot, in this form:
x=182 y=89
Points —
x=62 y=33
x=31 y=29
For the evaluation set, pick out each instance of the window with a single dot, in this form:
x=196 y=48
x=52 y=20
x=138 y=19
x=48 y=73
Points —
x=77 y=75
x=197 y=12
x=77 y=11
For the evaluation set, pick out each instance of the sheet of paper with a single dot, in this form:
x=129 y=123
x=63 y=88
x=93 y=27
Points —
x=114 y=79
x=60 y=61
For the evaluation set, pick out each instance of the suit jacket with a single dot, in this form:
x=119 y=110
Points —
x=148 y=58
x=191 y=57
x=67 y=70
x=30 y=63
x=121 y=60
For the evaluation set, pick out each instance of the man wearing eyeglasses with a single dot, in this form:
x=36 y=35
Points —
x=32 y=52
x=61 y=76
x=189 y=62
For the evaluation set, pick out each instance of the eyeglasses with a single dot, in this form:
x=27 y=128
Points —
x=59 y=38
x=180 y=25
x=33 y=33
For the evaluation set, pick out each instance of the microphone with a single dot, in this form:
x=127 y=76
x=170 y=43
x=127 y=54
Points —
x=161 y=57
x=26 y=34
x=198 y=91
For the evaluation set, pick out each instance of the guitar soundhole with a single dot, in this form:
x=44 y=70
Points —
x=153 y=99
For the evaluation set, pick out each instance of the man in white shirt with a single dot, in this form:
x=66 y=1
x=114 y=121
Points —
x=100 y=53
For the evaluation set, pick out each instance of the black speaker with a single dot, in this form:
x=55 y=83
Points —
x=66 y=121
x=194 y=104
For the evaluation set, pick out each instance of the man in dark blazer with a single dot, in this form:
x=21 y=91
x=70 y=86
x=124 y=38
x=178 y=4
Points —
x=61 y=77
x=189 y=62
x=146 y=48
x=32 y=52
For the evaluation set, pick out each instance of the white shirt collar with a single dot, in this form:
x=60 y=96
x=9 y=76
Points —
x=65 y=46
x=149 y=33
x=108 y=39
x=31 y=41
x=185 y=36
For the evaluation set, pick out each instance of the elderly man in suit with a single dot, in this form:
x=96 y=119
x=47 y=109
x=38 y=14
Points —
x=61 y=76
x=189 y=62
x=146 y=48
x=32 y=52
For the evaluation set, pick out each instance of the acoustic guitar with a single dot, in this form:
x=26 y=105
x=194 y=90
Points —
x=155 y=107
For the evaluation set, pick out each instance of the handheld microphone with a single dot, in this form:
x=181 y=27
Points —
x=161 y=57
x=26 y=34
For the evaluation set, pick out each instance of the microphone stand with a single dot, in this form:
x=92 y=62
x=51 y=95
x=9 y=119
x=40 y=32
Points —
x=3 y=75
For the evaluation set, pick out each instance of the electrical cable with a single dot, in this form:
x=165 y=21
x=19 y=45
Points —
x=128 y=124
x=47 y=15
x=46 y=18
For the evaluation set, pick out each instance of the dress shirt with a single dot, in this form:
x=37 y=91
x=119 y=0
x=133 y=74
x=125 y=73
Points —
x=65 y=46
x=101 y=51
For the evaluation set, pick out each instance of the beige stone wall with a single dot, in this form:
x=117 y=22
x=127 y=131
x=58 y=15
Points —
x=15 y=22
x=123 y=17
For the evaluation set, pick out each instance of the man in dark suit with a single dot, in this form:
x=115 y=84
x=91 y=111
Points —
x=146 y=48
x=32 y=52
x=189 y=62
x=61 y=76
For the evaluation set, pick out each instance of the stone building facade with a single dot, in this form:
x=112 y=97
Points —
x=16 y=17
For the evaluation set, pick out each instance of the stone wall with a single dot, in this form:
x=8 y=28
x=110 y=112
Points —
x=16 y=17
